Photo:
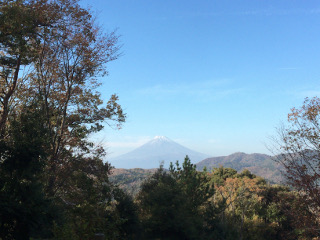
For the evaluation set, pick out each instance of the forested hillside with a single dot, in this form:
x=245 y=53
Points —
x=183 y=203
x=130 y=180
x=260 y=164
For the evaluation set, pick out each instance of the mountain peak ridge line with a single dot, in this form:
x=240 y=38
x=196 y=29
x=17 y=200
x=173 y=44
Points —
x=159 y=150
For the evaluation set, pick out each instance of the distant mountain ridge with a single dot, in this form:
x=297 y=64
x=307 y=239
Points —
x=150 y=155
x=162 y=149
x=260 y=164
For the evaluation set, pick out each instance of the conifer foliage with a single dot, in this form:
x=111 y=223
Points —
x=173 y=203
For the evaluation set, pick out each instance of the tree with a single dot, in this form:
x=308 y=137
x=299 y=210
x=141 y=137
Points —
x=71 y=53
x=19 y=38
x=25 y=211
x=219 y=175
x=299 y=146
x=163 y=210
x=249 y=208
x=195 y=184
x=284 y=217
x=94 y=205
x=176 y=204
x=198 y=190
x=66 y=53
x=241 y=198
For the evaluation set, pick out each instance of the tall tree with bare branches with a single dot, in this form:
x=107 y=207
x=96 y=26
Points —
x=299 y=146
x=66 y=55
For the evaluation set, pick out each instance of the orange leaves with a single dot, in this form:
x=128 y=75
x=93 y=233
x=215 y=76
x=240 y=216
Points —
x=237 y=190
x=299 y=146
x=309 y=111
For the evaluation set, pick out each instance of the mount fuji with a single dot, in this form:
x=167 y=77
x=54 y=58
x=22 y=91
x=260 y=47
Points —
x=150 y=155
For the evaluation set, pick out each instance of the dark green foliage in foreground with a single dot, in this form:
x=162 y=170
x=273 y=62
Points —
x=173 y=205
x=127 y=211
x=252 y=209
x=92 y=205
x=162 y=206
x=182 y=204
x=47 y=160
x=24 y=209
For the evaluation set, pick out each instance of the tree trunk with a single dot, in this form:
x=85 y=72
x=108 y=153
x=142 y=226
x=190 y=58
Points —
x=5 y=102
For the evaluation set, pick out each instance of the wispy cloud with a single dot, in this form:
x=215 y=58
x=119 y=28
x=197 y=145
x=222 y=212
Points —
x=309 y=93
x=287 y=68
x=128 y=142
x=279 y=12
x=204 y=91
x=251 y=12
x=305 y=92
x=124 y=144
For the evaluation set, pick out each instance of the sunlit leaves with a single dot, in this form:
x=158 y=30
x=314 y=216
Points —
x=299 y=144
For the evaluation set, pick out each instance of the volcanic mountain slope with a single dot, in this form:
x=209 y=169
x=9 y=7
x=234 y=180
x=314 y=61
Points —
x=259 y=164
x=150 y=155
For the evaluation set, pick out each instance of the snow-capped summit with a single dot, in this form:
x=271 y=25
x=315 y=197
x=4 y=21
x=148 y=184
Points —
x=150 y=155
x=158 y=139
x=163 y=138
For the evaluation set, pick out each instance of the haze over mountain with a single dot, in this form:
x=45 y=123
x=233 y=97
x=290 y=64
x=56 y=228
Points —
x=162 y=149
x=151 y=154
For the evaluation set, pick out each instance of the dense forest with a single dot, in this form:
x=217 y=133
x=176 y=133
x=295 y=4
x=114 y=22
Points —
x=54 y=183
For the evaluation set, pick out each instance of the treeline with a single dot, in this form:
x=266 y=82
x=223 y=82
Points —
x=179 y=203
x=183 y=203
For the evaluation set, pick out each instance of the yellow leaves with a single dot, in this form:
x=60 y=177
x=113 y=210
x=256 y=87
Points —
x=239 y=193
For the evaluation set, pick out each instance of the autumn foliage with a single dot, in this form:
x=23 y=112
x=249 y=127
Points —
x=299 y=145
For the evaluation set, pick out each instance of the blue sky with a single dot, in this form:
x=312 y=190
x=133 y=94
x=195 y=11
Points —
x=215 y=76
